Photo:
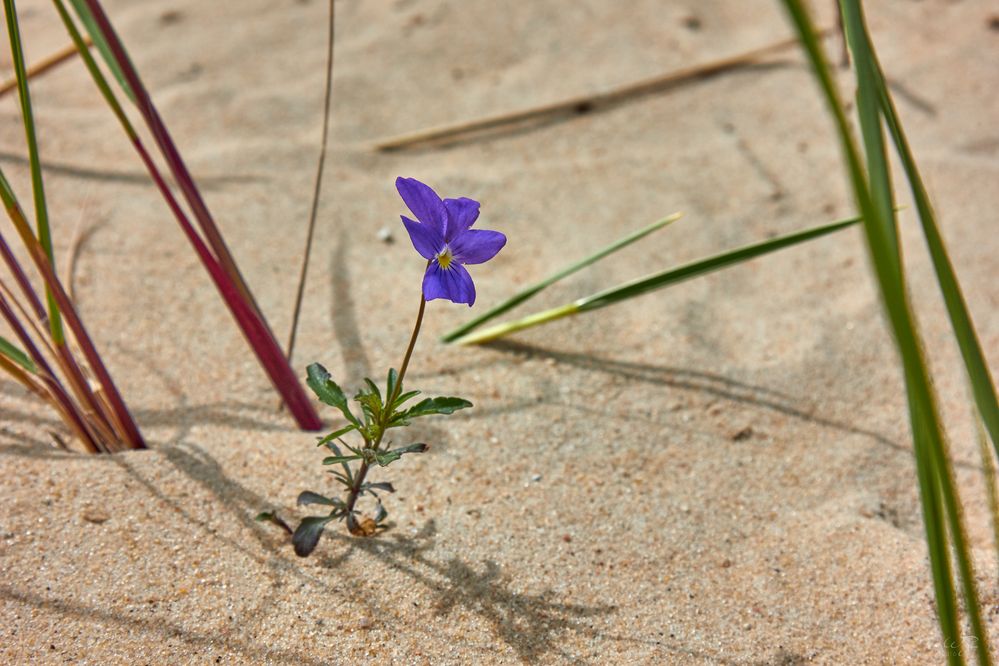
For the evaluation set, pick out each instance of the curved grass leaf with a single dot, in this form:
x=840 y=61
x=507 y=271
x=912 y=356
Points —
x=982 y=385
x=533 y=290
x=8 y=349
x=656 y=281
x=941 y=505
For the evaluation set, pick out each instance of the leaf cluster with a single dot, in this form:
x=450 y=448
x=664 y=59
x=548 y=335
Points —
x=376 y=414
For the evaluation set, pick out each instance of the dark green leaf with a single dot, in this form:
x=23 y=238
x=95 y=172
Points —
x=390 y=383
x=335 y=460
x=401 y=400
x=385 y=458
x=325 y=441
x=326 y=389
x=442 y=405
x=381 y=514
x=371 y=403
x=373 y=389
x=381 y=485
x=272 y=517
x=307 y=535
x=309 y=497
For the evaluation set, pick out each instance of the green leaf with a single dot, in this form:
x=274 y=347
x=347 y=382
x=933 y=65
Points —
x=326 y=389
x=370 y=400
x=80 y=6
x=656 y=281
x=374 y=390
x=390 y=383
x=309 y=497
x=17 y=356
x=428 y=406
x=381 y=485
x=335 y=460
x=401 y=400
x=386 y=458
x=307 y=534
x=533 y=290
x=323 y=441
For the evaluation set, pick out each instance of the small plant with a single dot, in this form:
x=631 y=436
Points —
x=442 y=234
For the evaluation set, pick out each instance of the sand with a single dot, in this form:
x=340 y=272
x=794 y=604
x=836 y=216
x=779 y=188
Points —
x=717 y=473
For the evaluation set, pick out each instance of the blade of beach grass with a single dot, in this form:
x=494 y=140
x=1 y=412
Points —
x=941 y=506
x=97 y=37
x=982 y=384
x=12 y=352
x=533 y=290
x=218 y=262
x=74 y=417
x=314 y=210
x=868 y=95
x=991 y=489
x=120 y=416
x=656 y=281
x=37 y=184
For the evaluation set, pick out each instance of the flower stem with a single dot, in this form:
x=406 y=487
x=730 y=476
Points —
x=355 y=489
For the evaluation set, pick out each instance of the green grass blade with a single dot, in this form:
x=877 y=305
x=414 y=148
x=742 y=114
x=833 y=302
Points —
x=533 y=290
x=11 y=351
x=869 y=95
x=90 y=25
x=982 y=384
x=37 y=183
x=95 y=72
x=656 y=281
x=937 y=492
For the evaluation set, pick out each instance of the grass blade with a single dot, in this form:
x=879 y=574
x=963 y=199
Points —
x=656 y=281
x=37 y=183
x=12 y=352
x=218 y=261
x=90 y=25
x=122 y=419
x=941 y=507
x=533 y=290
x=982 y=384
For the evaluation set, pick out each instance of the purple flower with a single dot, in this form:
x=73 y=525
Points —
x=444 y=237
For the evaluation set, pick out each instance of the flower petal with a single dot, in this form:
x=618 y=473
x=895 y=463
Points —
x=462 y=214
x=454 y=284
x=424 y=202
x=476 y=246
x=425 y=239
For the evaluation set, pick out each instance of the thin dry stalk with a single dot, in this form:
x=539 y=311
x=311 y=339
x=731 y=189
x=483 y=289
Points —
x=44 y=65
x=585 y=103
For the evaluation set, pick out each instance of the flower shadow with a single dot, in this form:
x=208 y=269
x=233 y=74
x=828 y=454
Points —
x=528 y=623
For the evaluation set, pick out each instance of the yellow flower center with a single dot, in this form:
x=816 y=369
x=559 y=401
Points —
x=444 y=258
